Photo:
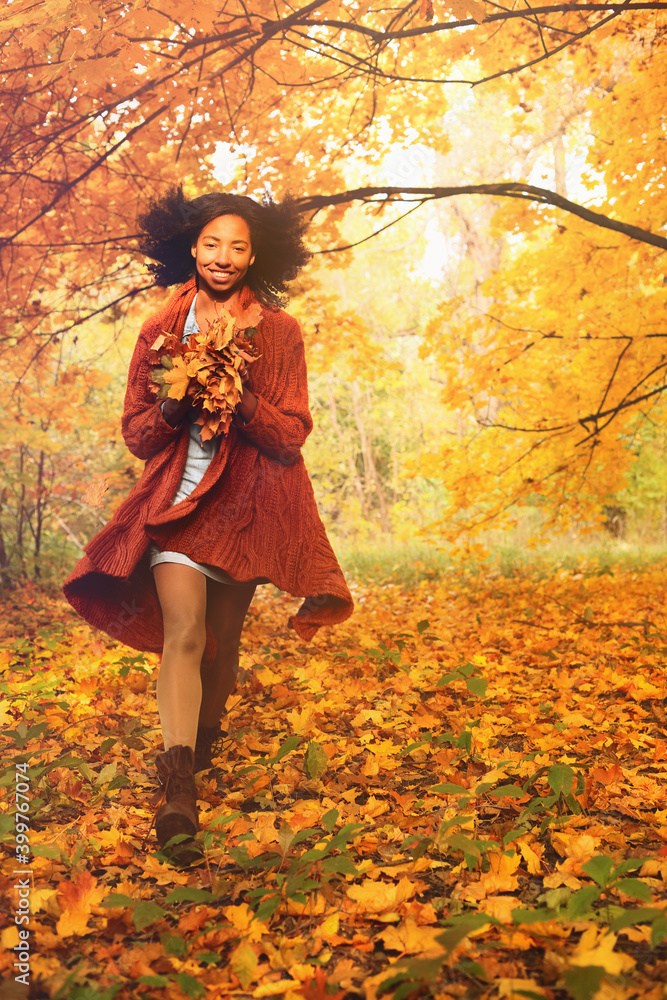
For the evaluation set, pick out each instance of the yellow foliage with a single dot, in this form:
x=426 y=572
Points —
x=382 y=890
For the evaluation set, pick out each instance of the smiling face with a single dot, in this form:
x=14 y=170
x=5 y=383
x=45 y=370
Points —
x=223 y=255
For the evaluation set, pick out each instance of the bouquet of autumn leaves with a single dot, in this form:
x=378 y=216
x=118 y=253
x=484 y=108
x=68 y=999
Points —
x=217 y=359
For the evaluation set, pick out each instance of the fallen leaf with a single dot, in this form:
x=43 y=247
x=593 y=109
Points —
x=76 y=899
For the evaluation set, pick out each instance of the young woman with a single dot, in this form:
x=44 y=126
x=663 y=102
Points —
x=176 y=567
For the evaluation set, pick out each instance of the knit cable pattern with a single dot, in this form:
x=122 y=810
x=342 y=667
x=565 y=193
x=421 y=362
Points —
x=253 y=514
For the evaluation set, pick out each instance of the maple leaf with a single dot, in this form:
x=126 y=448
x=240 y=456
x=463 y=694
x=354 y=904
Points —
x=76 y=899
x=179 y=376
x=221 y=331
x=596 y=947
x=410 y=938
x=426 y=9
x=463 y=9
x=95 y=491
x=380 y=897
x=250 y=317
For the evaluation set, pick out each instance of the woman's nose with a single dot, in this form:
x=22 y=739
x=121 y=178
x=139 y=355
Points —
x=223 y=255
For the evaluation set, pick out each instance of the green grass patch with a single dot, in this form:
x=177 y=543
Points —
x=407 y=563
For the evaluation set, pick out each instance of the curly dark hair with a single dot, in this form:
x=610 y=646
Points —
x=172 y=224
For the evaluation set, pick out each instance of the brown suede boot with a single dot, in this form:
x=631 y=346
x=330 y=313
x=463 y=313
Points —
x=209 y=744
x=178 y=813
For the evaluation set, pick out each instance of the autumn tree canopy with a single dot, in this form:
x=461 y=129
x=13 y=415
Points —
x=547 y=335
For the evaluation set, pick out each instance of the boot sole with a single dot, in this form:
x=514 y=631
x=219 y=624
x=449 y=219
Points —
x=186 y=852
x=171 y=825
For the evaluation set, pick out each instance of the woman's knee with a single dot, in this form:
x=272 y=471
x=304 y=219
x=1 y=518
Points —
x=186 y=638
x=227 y=650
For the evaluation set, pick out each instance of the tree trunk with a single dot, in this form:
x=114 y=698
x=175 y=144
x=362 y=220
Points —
x=39 y=514
x=5 y=578
x=370 y=472
x=22 y=514
x=356 y=482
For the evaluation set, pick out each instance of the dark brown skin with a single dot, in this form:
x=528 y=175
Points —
x=174 y=410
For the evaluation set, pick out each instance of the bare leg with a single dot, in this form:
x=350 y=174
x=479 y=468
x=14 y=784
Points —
x=182 y=594
x=226 y=609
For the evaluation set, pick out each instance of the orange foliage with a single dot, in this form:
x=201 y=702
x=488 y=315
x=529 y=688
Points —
x=466 y=780
x=549 y=350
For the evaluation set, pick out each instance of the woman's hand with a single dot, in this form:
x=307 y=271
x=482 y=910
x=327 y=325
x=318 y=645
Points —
x=244 y=370
x=174 y=410
x=247 y=405
x=242 y=346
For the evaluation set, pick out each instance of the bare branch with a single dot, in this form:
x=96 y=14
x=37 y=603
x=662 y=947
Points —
x=504 y=189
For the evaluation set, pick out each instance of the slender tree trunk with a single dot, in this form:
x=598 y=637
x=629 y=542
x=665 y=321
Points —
x=39 y=514
x=5 y=578
x=356 y=482
x=370 y=471
x=21 y=520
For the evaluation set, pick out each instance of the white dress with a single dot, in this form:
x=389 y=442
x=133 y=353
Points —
x=200 y=454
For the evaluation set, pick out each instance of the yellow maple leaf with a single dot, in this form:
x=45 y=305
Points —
x=315 y=906
x=163 y=874
x=596 y=947
x=5 y=716
x=532 y=859
x=579 y=847
x=76 y=899
x=463 y=9
x=411 y=939
x=370 y=768
x=221 y=331
x=500 y=878
x=380 y=897
x=94 y=492
x=179 y=379
x=329 y=927
x=500 y=907
x=243 y=920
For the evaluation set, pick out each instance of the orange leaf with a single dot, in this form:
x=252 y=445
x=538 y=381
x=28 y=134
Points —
x=76 y=899
x=381 y=897
x=95 y=491
x=315 y=989
x=250 y=318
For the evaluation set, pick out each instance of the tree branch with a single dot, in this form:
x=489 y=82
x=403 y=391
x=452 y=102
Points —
x=527 y=192
x=428 y=29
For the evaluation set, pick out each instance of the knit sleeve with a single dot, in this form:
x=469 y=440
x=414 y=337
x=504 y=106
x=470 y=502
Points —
x=145 y=430
x=282 y=421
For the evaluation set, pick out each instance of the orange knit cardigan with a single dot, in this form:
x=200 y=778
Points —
x=253 y=514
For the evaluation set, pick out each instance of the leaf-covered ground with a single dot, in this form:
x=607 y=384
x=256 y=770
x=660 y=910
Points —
x=458 y=793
